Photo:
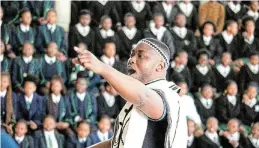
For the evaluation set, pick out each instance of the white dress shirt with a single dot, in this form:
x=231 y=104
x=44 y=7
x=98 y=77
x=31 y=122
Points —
x=19 y=139
x=24 y=28
x=51 y=27
x=202 y=69
x=50 y=60
x=28 y=99
x=223 y=70
x=206 y=39
x=138 y=6
x=251 y=103
x=250 y=40
x=55 y=98
x=109 y=61
x=51 y=139
x=213 y=137
x=253 y=14
x=179 y=68
x=186 y=8
x=81 y=96
x=253 y=68
x=27 y=60
x=232 y=100
x=234 y=137
x=180 y=31
x=3 y=93
x=106 y=33
x=103 y=136
x=254 y=141
x=234 y=7
x=1 y=57
x=109 y=99
x=228 y=38
x=190 y=140
x=82 y=140
x=130 y=33
x=207 y=103
x=167 y=8
x=103 y=2
x=83 y=30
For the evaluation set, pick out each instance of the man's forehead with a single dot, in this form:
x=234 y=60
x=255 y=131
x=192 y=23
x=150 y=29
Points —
x=141 y=47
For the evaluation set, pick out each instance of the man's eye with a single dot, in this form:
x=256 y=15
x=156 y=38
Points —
x=140 y=56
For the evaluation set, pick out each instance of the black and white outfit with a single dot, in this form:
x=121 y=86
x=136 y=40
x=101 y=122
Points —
x=192 y=142
x=249 y=112
x=235 y=11
x=252 y=142
x=255 y=15
x=209 y=140
x=248 y=73
x=205 y=108
x=248 y=46
x=238 y=137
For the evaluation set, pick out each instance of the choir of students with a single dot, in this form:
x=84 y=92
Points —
x=48 y=101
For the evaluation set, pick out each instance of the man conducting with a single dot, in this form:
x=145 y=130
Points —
x=152 y=117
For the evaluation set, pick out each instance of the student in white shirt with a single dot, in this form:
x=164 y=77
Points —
x=192 y=140
x=253 y=138
x=23 y=140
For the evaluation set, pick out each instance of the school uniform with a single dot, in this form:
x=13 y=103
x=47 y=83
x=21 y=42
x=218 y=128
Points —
x=51 y=66
x=20 y=35
x=116 y=64
x=76 y=142
x=209 y=140
x=252 y=142
x=97 y=136
x=227 y=107
x=249 y=112
x=4 y=111
x=22 y=67
x=239 y=137
x=127 y=38
x=202 y=75
x=5 y=64
x=223 y=74
x=248 y=73
x=80 y=34
x=161 y=34
x=192 y=142
x=248 y=46
x=84 y=106
x=206 y=108
x=50 y=33
x=255 y=15
x=49 y=139
x=25 y=141
x=31 y=108
x=235 y=11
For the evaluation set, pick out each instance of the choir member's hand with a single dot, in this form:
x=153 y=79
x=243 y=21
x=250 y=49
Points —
x=88 y=61
x=11 y=55
x=33 y=125
x=61 y=56
x=48 y=84
x=245 y=98
x=225 y=134
x=198 y=132
x=42 y=21
x=9 y=129
x=241 y=128
x=8 y=47
x=212 y=62
x=62 y=125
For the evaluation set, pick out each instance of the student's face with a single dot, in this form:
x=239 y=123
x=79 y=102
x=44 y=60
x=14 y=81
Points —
x=232 y=89
x=207 y=92
x=255 y=131
x=1 y=13
x=26 y=18
x=191 y=127
x=212 y=125
x=83 y=130
x=203 y=60
x=254 y=59
x=107 y=24
x=159 y=21
x=252 y=92
x=2 y=49
x=130 y=21
x=104 y=125
x=110 y=50
x=49 y=124
x=27 y=50
x=52 y=50
x=250 y=27
x=226 y=59
x=20 y=129
x=5 y=82
x=184 y=89
x=180 y=20
x=232 y=126
x=29 y=88
x=183 y=58
x=81 y=85
x=208 y=30
x=111 y=90
x=85 y=20
x=56 y=87
x=254 y=5
x=234 y=28
x=51 y=17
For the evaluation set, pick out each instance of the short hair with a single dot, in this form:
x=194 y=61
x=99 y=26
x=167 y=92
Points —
x=103 y=18
x=83 y=122
x=224 y=53
x=128 y=15
x=52 y=10
x=23 y=122
x=110 y=40
x=202 y=51
x=229 y=22
x=212 y=118
x=103 y=117
x=50 y=43
x=252 y=84
x=85 y=12
x=25 y=10
x=253 y=53
x=236 y=120
x=157 y=14
x=204 y=86
x=247 y=19
x=60 y=79
x=28 y=42
x=179 y=13
x=229 y=82
x=31 y=78
x=208 y=23
x=178 y=53
x=49 y=116
x=255 y=125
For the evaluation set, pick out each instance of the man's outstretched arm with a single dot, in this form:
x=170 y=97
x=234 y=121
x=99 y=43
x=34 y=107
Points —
x=104 y=144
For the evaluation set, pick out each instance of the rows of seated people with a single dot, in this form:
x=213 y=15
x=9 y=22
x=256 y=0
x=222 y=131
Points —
x=215 y=60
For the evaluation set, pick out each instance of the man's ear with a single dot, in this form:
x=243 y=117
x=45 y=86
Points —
x=161 y=66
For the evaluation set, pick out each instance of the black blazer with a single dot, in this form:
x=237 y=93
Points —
x=204 y=142
x=242 y=142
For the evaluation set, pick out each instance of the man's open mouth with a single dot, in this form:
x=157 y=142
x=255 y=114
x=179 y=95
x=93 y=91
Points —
x=131 y=71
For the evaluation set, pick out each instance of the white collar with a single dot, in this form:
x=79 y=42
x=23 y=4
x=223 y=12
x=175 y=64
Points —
x=158 y=32
x=19 y=139
x=178 y=69
x=228 y=38
x=234 y=137
x=253 y=68
x=235 y=8
x=167 y=8
x=253 y=14
x=103 y=136
x=110 y=99
x=83 y=30
x=138 y=6
x=213 y=137
x=1 y=57
x=3 y=93
x=82 y=140
x=52 y=27
x=108 y=61
x=50 y=60
x=130 y=33
x=55 y=98
x=250 y=40
x=180 y=31
x=207 y=103
x=224 y=71
x=206 y=39
x=24 y=28
x=81 y=96
x=202 y=69
x=254 y=141
x=49 y=133
x=51 y=138
x=190 y=140
x=232 y=100
x=103 y=2
x=186 y=8
x=28 y=99
x=251 y=103
x=106 y=33
x=27 y=60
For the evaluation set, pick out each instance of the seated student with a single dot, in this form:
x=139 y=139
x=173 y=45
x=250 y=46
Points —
x=30 y=104
x=202 y=73
x=228 y=104
x=253 y=12
x=24 y=65
x=192 y=140
x=51 y=32
x=184 y=39
x=107 y=102
x=158 y=31
x=48 y=137
x=223 y=71
x=210 y=139
x=248 y=41
x=23 y=33
x=51 y=66
x=103 y=133
x=5 y=62
x=253 y=138
x=235 y=10
x=209 y=42
x=24 y=141
x=233 y=138
x=205 y=104
x=82 y=139
x=58 y=106
x=128 y=36
x=178 y=71
x=228 y=39
x=83 y=105
x=187 y=104
x=250 y=106
x=81 y=33
x=249 y=72
x=8 y=103
x=104 y=33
